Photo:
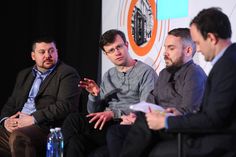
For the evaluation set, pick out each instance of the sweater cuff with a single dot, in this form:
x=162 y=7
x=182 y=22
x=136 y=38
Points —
x=93 y=98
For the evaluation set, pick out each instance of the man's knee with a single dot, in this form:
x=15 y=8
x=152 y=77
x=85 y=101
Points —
x=73 y=124
x=118 y=131
x=17 y=138
x=20 y=144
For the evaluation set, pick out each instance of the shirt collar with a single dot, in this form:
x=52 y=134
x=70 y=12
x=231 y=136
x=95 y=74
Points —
x=182 y=67
x=36 y=72
x=218 y=56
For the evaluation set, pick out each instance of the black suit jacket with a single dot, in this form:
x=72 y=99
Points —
x=218 y=112
x=57 y=97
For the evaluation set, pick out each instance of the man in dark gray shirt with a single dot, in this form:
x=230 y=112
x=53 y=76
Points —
x=179 y=90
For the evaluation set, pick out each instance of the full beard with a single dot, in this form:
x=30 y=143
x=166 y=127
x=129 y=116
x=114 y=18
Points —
x=175 y=66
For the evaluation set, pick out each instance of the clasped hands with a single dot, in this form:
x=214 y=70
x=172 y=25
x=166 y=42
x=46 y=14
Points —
x=18 y=120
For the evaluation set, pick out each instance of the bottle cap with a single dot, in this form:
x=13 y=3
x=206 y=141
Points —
x=57 y=129
x=52 y=130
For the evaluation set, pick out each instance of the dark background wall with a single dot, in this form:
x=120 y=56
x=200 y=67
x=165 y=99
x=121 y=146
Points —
x=75 y=24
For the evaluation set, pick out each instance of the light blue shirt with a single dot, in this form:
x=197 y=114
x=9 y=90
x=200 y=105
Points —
x=218 y=56
x=29 y=106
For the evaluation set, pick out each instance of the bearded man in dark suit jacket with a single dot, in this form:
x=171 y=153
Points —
x=215 y=124
x=42 y=98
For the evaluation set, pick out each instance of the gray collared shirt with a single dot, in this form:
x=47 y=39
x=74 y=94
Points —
x=184 y=92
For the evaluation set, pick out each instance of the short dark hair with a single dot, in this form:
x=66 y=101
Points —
x=40 y=39
x=109 y=37
x=213 y=20
x=184 y=34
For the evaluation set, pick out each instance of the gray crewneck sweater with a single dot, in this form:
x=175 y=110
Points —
x=119 y=90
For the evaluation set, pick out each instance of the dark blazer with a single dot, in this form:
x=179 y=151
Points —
x=218 y=112
x=57 y=97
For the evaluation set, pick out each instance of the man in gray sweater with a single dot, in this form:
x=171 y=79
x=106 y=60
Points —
x=129 y=82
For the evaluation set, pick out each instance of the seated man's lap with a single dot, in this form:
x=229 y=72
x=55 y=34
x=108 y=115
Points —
x=4 y=145
x=165 y=148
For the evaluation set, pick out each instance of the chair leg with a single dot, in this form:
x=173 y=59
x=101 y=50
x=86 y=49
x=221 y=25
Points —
x=179 y=145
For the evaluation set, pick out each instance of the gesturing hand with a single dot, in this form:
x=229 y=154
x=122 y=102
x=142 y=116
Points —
x=100 y=118
x=90 y=86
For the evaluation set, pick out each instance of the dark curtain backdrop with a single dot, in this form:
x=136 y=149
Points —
x=75 y=24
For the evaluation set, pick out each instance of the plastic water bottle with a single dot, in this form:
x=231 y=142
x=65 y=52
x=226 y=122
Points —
x=51 y=152
x=59 y=142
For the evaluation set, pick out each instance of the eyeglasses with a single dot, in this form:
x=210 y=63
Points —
x=118 y=47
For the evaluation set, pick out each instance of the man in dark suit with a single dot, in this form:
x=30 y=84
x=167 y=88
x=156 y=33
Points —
x=211 y=31
x=42 y=97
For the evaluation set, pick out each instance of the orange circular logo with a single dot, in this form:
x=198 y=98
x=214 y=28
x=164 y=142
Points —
x=141 y=36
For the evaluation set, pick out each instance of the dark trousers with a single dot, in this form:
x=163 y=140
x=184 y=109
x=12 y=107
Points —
x=116 y=136
x=80 y=137
x=28 y=142
x=4 y=144
x=139 y=141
